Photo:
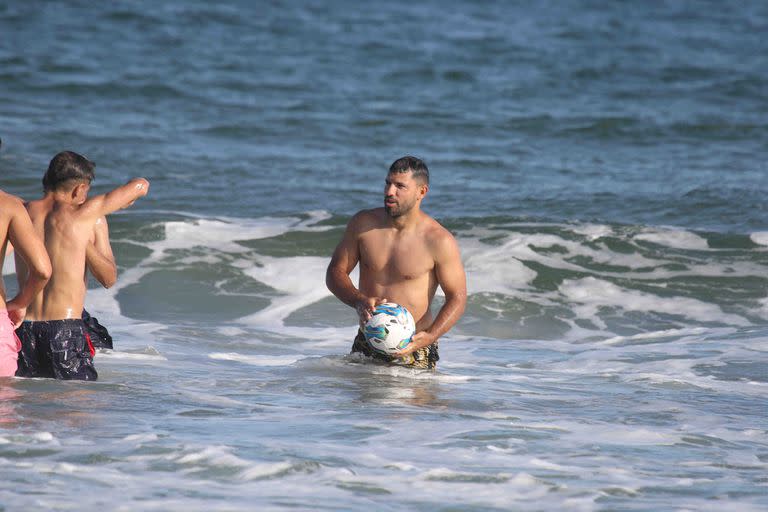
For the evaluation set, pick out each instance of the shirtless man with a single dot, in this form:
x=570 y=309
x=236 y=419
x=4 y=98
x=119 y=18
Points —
x=404 y=254
x=54 y=339
x=16 y=228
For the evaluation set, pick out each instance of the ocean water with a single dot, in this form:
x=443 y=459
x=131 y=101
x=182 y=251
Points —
x=602 y=165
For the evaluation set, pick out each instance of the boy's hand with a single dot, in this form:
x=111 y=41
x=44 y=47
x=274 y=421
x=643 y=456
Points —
x=17 y=316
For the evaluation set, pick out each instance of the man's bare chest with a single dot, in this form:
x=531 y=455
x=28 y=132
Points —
x=397 y=258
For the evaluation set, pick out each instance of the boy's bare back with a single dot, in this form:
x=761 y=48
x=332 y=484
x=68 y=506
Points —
x=66 y=231
x=64 y=219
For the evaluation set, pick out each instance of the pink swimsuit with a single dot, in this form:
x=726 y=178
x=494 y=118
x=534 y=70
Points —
x=9 y=346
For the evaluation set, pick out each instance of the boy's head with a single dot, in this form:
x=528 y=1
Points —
x=66 y=170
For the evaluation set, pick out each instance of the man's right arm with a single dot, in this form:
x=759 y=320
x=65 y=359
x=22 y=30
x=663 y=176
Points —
x=31 y=250
x=345 y=258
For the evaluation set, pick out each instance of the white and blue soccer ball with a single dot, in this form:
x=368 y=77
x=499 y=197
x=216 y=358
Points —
x=390 y=328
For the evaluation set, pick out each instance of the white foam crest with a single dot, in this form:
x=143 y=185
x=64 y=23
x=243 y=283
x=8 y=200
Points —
x=516 y=486
x=131 y=356
x=255 y=360
x=65 y=468
x=222 y=457
x=590 y=294
x=653 y=335
x=103 y=304
x=293 y=275
x=323 y=337
x=498 y=267
x=141 y=438
x=211 y=399
x=519 y=245
x=494 y=269
x=671 y=237
x=200 y=232
x=336 y=363
x=405 y=373
x=760 y=237
x=402 y=466
x=217 y=233
x=578 y=504
x=231 y=330
x=219 y=456
x=763 y=309
x=261 y=471
x=593 y=231
x=42 y=437
x=619 y=434
x=220 y=232
x=301 y=279
x=31 y=438
x=659 y=375
x=102 y=301
x=678 y=367
x=544 y=464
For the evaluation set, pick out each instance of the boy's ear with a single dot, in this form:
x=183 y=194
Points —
x=80 y=192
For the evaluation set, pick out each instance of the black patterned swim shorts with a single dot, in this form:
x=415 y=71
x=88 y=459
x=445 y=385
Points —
x=426 y=357
x=60 y=349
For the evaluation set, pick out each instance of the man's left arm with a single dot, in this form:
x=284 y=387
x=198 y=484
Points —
x=449 y=271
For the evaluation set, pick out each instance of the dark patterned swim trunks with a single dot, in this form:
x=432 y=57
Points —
x=426 y=357
x=98 y=334
x=59 y=349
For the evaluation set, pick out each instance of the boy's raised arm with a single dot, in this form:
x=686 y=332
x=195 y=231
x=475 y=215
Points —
x=119 y=198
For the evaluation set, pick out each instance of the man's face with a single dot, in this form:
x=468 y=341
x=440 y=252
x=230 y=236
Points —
x=401 y=193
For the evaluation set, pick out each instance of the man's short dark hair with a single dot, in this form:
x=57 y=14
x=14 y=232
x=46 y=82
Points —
x=67 y=166
x=413 y=164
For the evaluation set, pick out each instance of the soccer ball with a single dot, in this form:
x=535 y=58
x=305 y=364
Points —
x=389 y=329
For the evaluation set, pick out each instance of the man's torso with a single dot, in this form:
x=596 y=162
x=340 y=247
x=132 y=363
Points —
x=398 y=265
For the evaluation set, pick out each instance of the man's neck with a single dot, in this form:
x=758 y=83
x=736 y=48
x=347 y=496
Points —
x=406 y=221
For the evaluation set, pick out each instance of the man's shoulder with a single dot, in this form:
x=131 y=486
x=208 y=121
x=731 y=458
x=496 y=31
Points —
x=437 y=235
x=366 y=218
x=434 y=228
x=374 y=213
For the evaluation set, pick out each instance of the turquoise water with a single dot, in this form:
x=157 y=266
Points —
x=603 y=167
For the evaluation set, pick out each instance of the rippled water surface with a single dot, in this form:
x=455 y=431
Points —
x=602 y=165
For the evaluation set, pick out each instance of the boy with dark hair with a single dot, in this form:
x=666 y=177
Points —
x=54 y=338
